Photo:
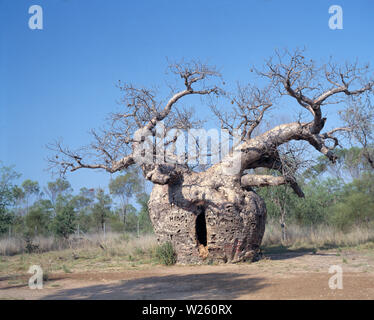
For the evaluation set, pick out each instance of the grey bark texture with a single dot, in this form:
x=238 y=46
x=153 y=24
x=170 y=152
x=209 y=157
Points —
x=234 y=218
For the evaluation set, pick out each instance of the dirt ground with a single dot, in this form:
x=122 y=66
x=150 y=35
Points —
x=289 y=275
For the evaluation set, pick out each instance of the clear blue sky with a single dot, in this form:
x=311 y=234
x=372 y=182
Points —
x=59 y=81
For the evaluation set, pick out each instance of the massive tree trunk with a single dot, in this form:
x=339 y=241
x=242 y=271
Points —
x=226 y=226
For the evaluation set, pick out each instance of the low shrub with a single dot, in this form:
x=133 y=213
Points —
x=165 y=254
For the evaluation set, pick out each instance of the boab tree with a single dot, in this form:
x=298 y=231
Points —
x=210 y=210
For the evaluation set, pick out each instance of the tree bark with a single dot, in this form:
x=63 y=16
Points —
x=235 y=218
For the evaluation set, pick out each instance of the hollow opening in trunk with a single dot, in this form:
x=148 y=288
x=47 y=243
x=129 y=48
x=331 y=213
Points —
x=201 y=234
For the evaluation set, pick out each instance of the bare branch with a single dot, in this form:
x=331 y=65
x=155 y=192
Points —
x=112 y=149
x=249 y=106
x=311 y=86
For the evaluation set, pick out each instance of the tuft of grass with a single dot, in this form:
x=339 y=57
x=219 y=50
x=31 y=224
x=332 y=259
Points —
x=66 y=269
x=165 y=254
x=139 y=251
x=125 y=237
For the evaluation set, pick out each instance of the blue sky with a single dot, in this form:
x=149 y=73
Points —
x=60 y=81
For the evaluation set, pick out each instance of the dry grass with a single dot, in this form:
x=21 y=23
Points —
x=123 y=251
x=17 y=245
x=321 y=236
x=115 y=252
x=127 y=244
x=111 y=241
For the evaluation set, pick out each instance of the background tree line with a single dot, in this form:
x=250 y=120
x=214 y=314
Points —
x=29 y=210
x=339 y=195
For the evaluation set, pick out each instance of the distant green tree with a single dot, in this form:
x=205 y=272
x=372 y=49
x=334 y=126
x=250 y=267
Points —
x=7 y=196
x=83 y=205
x=125 y=187
x=84 y=199
x=39 y=218
x=116 y=224
x=278 y=201
x=19 y=197
x=144 y=220
x=320 y=196
x=356 y=206
x=30 y=188
x=101 y=209
x=64 y=223
x=57 y=188
x=6 y=220
x=132 y=219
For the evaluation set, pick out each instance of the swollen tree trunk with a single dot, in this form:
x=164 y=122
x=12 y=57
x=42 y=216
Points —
x=226 y=225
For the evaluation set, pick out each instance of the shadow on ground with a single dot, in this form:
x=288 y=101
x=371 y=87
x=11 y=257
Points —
x=281 y=252
x=21 y=281
x=190 y=286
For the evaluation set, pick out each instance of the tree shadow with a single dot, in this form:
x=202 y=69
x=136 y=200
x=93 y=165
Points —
x=176 y=287
x=281 y=252
x=23 y=279
x=11 y=277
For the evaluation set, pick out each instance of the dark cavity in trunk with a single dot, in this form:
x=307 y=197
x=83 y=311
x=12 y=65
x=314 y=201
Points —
x=201 y=234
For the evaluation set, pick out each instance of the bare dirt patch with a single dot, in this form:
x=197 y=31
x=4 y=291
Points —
x=281 y=275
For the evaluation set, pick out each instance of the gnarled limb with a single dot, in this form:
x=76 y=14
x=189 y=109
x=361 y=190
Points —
x=252 y=180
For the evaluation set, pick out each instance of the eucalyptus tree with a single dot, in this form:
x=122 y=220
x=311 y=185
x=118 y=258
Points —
x=125 y=187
